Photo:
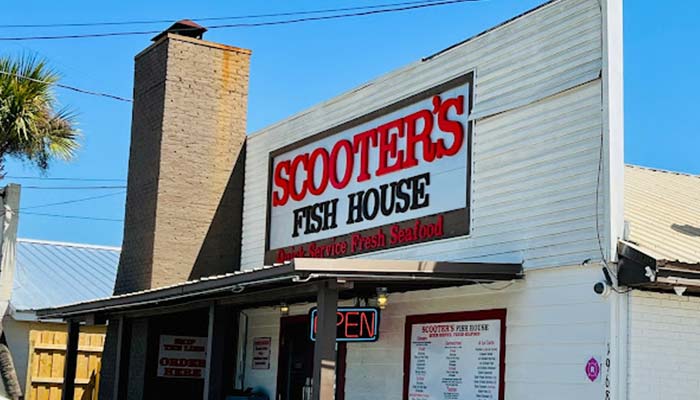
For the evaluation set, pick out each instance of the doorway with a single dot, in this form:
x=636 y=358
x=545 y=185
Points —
x=296 y=359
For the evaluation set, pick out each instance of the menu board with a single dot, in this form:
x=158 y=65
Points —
x=455 y=360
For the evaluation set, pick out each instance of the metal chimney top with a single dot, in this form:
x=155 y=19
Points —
x=184 y=27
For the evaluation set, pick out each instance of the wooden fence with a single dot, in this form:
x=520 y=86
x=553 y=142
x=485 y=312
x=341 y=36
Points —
x=47 y=352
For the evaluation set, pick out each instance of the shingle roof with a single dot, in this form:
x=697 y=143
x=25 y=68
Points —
x=49 y=274
x=663 y=210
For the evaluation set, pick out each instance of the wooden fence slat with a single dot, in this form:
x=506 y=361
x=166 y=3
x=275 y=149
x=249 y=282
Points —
x=46 y=362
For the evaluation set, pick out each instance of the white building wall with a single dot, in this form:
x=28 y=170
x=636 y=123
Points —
x=555 y=323
x=664 y=344
x=536 y=151
x=536 y=140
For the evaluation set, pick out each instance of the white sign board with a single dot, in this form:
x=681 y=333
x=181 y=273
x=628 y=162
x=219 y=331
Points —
x=456 y=360
x=261 y=352
x=182 y=357
x=384 y=180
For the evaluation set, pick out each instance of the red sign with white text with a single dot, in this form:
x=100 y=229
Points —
x=394 y=177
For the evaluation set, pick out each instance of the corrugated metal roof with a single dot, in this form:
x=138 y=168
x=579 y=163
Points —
x=663 y=210
x=301 y=272
x=49 y=274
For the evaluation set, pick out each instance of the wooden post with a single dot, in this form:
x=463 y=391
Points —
x=119 y=354
x=210 y=351
x=221 y=352
x=71 y=360
x=324 y=349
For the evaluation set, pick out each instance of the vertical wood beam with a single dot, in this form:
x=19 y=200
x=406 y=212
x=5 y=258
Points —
x=324 y=348
x=210 y=352
x=119 y=355
x=71 y=361
x=221 y=352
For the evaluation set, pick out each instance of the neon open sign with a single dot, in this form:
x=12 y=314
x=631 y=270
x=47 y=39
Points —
x=354 y=324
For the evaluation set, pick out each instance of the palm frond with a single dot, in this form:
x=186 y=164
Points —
x=30 y=126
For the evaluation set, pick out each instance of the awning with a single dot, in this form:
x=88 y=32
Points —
x=642 y=268
x=295 y=281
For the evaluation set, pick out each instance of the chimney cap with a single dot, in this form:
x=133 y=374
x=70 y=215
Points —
x=184 y=27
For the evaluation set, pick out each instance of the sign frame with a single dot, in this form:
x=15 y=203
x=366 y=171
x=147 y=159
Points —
x=264 y=362
x=480 y=315
x=182 y=352
x=314 y=310
x=457 y=222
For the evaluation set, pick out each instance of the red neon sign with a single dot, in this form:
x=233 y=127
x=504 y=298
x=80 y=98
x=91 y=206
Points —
x=353 y=324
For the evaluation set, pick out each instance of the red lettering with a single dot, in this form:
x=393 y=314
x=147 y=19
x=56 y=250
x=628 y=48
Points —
x=313 y=189
x=402 y=143
x=280 y=199
x=414 y=138
x=366 y=323
x=388 y=147
x=349 y=162
x=349 y=324
x=361 y=142
x=302 y=159
x=454 y=127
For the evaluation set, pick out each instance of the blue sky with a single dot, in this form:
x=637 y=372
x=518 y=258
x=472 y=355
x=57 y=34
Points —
x=296 y=66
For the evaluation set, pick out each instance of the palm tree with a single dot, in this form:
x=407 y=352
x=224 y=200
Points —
x=31 y=126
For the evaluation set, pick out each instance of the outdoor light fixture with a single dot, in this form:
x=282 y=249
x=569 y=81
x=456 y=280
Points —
x=284 y=309
x=679 y=290
x=382 y=298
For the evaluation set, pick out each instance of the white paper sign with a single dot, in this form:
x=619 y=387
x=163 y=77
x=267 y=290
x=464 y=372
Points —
x=455 y=360
x=182 y=357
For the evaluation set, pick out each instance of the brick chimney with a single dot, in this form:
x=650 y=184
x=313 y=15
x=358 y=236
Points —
x=185 y=184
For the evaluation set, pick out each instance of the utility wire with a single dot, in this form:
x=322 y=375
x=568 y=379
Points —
x=81 y=217
x=172 y=20
x=60 y=203
x=73 y=88
x=51 y=178
x=73 y=187
x=242 y=25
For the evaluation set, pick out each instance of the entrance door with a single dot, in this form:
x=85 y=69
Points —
x=296 y=359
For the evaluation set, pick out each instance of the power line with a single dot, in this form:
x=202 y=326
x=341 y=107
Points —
x=60 y=203
x=73 y=88
x=243 y=25
x=81 y=217
x=51 y=178
x=252 y=16
x=73 y=187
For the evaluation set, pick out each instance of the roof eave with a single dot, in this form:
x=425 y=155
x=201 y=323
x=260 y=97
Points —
x=408 y=275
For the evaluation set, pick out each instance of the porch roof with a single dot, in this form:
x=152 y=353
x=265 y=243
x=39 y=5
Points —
x=296 y=281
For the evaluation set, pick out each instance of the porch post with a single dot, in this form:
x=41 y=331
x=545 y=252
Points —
x=221 y=352
x=71 y=360
x=324 y=348
x=120 y=358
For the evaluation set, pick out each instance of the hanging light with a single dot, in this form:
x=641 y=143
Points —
x=284 y=309
x=382 y=297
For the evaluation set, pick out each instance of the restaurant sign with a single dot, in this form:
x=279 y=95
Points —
x=394 y=177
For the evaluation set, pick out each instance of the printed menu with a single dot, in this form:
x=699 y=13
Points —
x=455 y=360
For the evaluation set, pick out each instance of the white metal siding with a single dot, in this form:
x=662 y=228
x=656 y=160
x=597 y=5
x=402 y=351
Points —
x=536 y=139
x=555 y=323
x=664 y=343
